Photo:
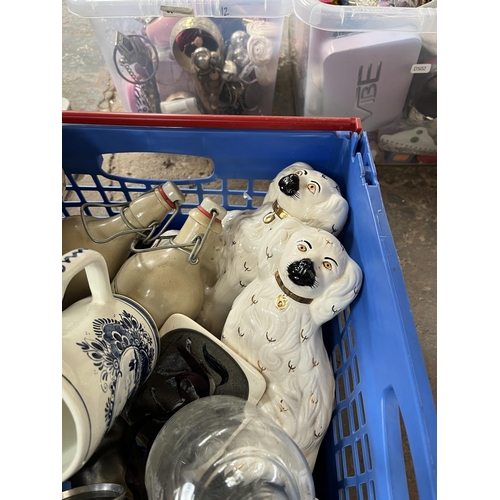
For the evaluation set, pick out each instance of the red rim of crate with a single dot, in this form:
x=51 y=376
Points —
x=213 y=121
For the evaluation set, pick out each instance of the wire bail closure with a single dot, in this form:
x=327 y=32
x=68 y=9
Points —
x=193 y=248
x=149 y=234
x=146 y=235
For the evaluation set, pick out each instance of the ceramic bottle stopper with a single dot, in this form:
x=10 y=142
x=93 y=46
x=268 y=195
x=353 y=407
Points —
x=167 y=280
x=100 y=233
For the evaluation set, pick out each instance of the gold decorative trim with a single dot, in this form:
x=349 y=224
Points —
x=270 y=340
x=278 y=211
x=281 y=302
x=297 y=298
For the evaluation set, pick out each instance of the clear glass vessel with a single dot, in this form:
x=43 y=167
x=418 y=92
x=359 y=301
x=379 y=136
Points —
x=223 y=447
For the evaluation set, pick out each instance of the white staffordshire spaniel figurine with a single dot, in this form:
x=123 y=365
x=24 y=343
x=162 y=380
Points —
x=298 y=191
x=305 y=279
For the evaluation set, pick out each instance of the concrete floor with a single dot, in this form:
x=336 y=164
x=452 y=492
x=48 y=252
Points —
x=408 y=191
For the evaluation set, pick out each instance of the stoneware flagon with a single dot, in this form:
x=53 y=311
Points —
x=305 y=278
x=167 y=280
x=109 y=348
x=113 y=236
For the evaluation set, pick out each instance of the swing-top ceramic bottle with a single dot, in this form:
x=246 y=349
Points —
x=168 y=280
x=100 y=233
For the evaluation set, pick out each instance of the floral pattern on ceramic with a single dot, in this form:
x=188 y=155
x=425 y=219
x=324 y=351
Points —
x=119 y=349
x=109 y=348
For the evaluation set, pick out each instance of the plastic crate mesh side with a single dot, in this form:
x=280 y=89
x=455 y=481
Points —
x=233 y=194
x=101 y=187
x=355 y=473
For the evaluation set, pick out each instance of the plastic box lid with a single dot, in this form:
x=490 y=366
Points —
x=200 y=8
x=358 y=18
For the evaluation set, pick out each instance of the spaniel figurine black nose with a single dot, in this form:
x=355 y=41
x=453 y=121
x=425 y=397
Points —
x=289 y=184
x=301 y=272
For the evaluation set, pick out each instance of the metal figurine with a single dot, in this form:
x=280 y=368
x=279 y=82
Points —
x=197 y=46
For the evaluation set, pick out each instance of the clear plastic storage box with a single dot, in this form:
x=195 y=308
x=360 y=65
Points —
x=375 y=63
x=383 y=395
x=187 y=56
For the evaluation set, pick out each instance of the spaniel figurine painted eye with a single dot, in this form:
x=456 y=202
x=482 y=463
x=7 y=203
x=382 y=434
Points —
x=297 y=191
x=313 y=187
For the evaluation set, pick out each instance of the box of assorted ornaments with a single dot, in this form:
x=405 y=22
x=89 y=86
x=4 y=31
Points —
x=243 y=334
x=374 y=59
x=190 y=57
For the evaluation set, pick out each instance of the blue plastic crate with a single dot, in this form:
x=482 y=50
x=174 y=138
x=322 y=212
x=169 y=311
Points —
x=382 y=383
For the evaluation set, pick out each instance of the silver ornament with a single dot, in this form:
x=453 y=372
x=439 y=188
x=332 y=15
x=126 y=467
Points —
x=240 y=56
x=201 y=58
x=214 y=59
x=229 y=72
x=238 y=39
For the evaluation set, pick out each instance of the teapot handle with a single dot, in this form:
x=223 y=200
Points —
x=97 y=273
